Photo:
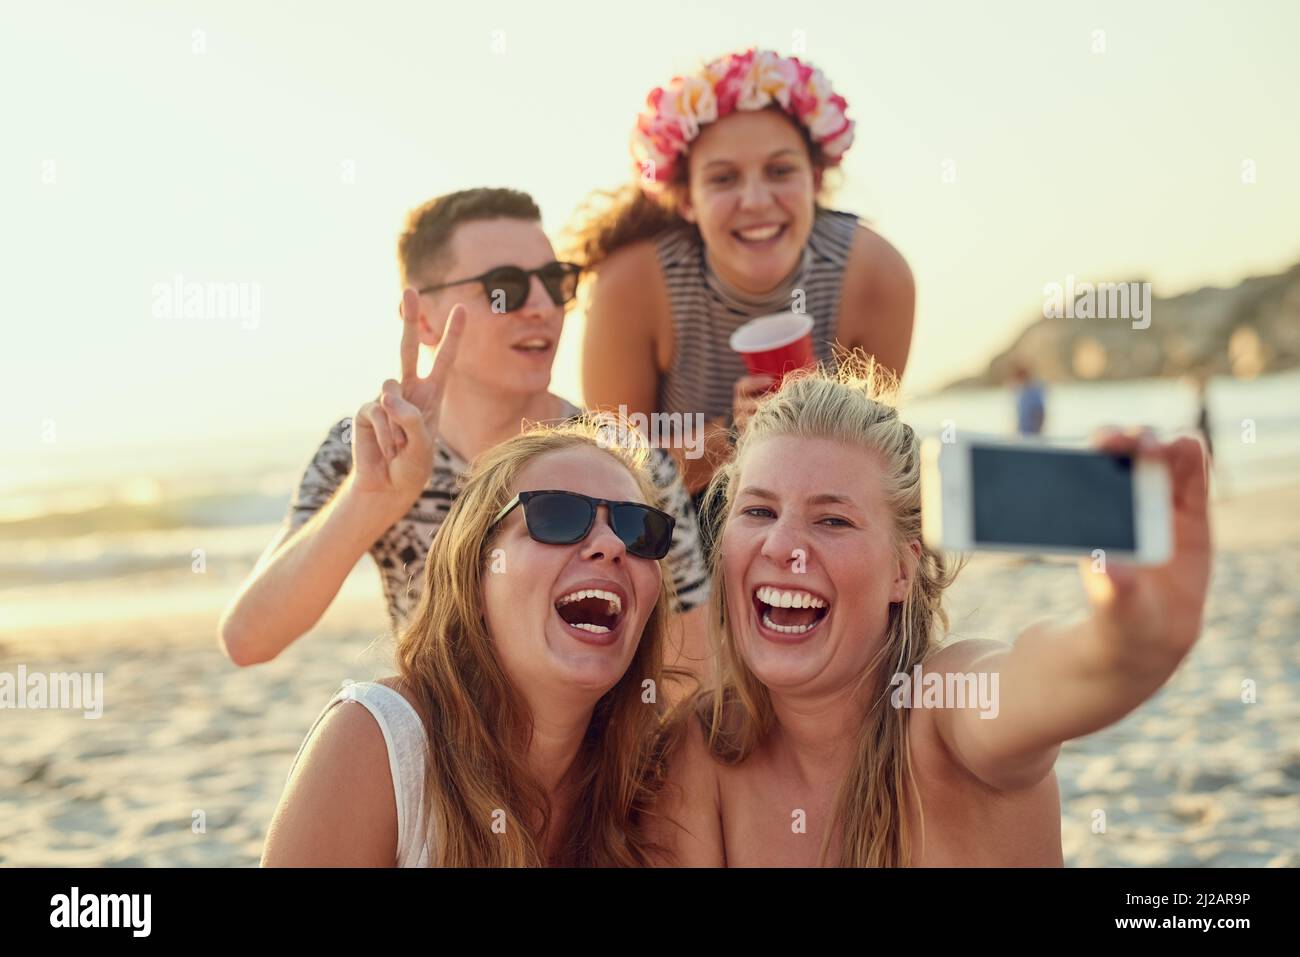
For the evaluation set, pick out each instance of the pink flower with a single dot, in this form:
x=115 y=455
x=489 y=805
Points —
x=834 y=148
x=727 y=76
x=692 y=104
x=751 y=80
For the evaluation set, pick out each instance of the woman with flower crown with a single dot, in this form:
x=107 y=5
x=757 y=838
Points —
x=725 y=223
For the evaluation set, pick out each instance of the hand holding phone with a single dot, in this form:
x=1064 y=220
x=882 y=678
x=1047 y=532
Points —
x=1153 y=614
x=1137 y=504
x=981 y=492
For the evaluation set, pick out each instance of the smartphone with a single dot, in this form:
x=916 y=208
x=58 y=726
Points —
x=1027 y=495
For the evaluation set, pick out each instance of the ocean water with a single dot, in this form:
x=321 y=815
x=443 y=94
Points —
x=99 y=526
x=1254 y=424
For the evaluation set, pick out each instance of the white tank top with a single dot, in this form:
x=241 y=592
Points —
x=407 y=743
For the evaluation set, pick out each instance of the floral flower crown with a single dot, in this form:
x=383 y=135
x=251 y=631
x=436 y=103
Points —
x=752 y=80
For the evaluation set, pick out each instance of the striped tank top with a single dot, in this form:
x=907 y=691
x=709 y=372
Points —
x=706 y=311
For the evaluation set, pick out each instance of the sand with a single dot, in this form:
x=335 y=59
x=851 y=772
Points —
x=187 y=763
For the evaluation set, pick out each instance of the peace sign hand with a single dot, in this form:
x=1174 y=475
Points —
x=393 y=441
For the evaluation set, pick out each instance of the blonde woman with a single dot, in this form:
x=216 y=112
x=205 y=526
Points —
x=522 y=727
x=803 y=757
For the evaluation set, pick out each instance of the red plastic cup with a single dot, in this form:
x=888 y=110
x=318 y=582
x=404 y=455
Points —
x=776 y=345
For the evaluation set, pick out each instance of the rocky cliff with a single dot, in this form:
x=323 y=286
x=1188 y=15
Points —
x=1097 y=332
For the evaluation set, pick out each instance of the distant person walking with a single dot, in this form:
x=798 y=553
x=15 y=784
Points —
x=1203 y=426
x=1031 y=400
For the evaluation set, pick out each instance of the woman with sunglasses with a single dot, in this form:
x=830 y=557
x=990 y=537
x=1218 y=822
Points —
x=522 y=728
x=826 y=603
x=725 y=223
x=483 y=289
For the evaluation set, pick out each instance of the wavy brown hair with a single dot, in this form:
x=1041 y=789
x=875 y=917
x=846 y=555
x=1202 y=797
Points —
x=479 y=728
x=853 y=405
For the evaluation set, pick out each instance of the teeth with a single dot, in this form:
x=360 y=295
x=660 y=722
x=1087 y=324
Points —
x=615 y=603
x=759 y=234
x=787 y=629
x=788 y=599
x=533 y=344
x=594 y=629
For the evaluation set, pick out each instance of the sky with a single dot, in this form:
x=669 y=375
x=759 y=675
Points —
x=277 y=146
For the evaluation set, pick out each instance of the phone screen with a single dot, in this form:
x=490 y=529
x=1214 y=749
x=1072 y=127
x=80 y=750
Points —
x=1074 y=500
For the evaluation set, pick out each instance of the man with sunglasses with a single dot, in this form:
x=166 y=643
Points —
x=482 y=288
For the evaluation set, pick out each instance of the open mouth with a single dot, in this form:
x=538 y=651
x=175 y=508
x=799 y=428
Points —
x=537 y=345
x=592 y=611
x=760 y=235
x=789 y=612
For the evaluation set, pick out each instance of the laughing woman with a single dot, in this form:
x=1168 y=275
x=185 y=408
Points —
x=824 y=592
x=724 y=223
x=517 y=731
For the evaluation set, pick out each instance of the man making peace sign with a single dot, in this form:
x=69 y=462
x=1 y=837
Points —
x=484 y=290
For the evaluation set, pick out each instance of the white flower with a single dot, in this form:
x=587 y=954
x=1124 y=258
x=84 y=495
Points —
x=769 y=80
x=695 y=105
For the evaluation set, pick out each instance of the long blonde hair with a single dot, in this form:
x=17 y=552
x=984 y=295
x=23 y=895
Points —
x=478 y=726
x=853 y=405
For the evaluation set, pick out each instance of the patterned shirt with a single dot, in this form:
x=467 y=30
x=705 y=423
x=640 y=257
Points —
x=401 y=551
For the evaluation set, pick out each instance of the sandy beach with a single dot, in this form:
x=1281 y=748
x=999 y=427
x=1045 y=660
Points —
x=1194 y=777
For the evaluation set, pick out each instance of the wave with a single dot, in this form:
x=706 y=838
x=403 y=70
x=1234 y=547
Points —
x=221 y=552
x=198 y=511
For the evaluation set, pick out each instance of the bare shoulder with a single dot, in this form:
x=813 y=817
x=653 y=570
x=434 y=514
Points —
x=962 y=655
x=629 y=286
x=627 y=339
x=338 y=808
x=968 y=821
x=955 y=733
x=965 y=657
x=629 y=263
x=878 y=301
x=930 y=728
x=876 y=258
x=693 y=758
x=690 y=805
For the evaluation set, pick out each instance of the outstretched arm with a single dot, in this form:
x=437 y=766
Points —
x=1062 y=682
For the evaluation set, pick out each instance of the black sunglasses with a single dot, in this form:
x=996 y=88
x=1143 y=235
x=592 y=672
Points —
x=559 y=279
x=555 y=517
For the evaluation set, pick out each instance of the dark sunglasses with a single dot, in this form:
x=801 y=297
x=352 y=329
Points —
x=556 y=517
x=559 y=279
